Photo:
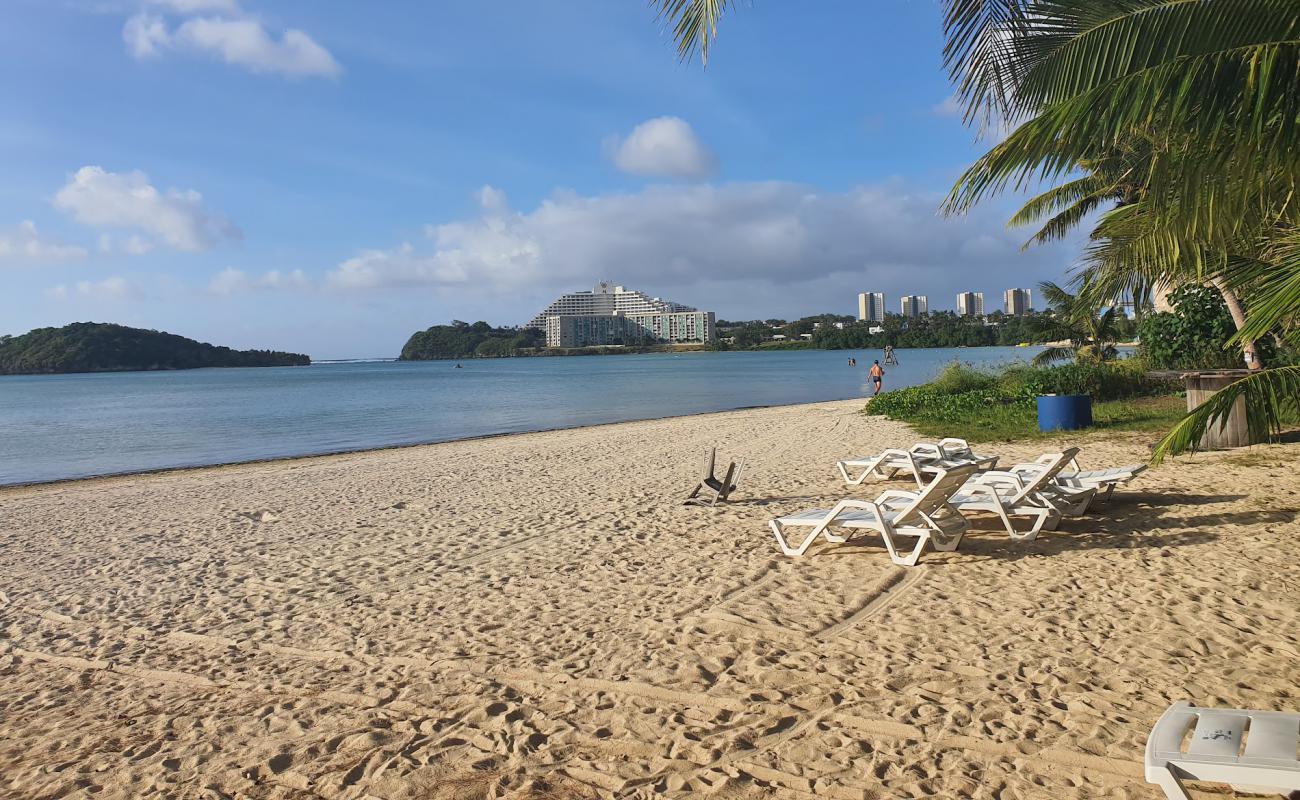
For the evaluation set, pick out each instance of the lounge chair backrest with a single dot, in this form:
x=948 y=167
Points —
x=1051 y=465
x=956 y=448
x=710 y=459
x=935 y=495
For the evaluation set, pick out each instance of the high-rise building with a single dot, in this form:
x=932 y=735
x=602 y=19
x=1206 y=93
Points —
x=970 y=304
x=611 y=314
x=1018 y=301
x=871 y=307
x=914 y=305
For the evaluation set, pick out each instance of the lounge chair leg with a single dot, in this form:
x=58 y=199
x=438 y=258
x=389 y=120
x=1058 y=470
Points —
x=911 y=558
x=944 y=543
x=1172 y=786
x=785 y=547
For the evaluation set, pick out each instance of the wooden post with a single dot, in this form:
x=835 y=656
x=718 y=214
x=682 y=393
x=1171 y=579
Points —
x=1234 y=432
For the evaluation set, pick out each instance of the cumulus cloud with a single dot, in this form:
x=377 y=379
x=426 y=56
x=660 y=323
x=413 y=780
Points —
x=178 y=217
x=665 y=147
x=115 y=288
x=234 y=281
x=231 y=35
x=24 y=243
x=883 y=237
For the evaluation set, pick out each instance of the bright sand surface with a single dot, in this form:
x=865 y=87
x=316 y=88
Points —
x=539 y=616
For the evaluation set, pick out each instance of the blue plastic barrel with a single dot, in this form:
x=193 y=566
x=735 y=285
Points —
x=1064 y=412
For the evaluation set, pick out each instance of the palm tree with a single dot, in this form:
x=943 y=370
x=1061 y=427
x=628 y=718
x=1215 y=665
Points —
x=1213 y=86
x=1090 y=331
x=1113 y=273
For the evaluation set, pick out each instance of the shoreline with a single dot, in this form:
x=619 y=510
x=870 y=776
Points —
x=107 y=476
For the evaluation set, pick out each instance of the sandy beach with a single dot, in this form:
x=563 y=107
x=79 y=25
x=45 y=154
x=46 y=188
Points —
x=539 y=616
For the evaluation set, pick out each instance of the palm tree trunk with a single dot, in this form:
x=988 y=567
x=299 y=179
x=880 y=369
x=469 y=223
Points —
x=1248 y=349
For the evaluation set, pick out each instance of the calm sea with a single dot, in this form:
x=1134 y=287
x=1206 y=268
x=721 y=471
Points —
x=70 y=426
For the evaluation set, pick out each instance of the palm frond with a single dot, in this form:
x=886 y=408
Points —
x=978 y=55
x=1277 y=296
x=1053 y=354
x=1269 y=396
x=694 y=24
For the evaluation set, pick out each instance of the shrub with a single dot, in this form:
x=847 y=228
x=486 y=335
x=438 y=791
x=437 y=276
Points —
x=1194 y=335
x=957 y=378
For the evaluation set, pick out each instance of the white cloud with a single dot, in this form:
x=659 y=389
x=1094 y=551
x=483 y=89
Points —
x=115 y=288
x=23 y=243
x=234 y=37
x=198 y=6
x=664 y=146
x=133 y=245
x=950 y=107
x=886 y=237
x=145 y=35
x=94 y=196
x=234 y=281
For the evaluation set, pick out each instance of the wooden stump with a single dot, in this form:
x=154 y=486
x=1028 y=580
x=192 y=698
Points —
x=1234 y=432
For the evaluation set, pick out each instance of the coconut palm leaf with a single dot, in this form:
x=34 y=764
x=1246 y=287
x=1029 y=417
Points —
x=694 y=24
x=1271 y=395
x=1052 y=354
x=1277 y=296
x=978 y=55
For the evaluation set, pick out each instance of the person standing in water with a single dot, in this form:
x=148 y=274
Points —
x=889 y=354
x=877 y=374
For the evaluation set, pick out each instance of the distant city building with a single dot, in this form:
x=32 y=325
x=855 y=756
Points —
x=1018 y=301
x=970 y=304
x=611 y=314
x=914 y=305
x=871 y=307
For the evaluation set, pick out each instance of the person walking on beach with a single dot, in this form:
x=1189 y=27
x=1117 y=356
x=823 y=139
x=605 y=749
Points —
x=877 y=374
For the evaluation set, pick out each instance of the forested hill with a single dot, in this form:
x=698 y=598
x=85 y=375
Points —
x=462 y=340
x=104 y=347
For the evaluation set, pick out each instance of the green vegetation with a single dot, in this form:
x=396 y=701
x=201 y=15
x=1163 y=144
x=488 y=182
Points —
x=937 y=329
x=1194 y=335
x=463 y=340
x=1174 y=129
x=986 y=406
x=1091 y=332
x=104 y=347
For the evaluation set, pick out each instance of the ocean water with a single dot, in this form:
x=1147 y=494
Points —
x=69 y=426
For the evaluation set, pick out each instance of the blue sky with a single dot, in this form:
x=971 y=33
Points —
x=328 y=176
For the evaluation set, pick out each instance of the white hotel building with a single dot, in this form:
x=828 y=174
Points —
x=611 y=314
x=970 y=304
x=914 y=305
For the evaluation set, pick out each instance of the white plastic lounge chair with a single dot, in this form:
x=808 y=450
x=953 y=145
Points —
x=1103 y=480
x=926 y=515
x=1069 y=500
x=1024 y=491
x=1266 y=765
x=958 y=451
x=713 y=489
x=919 y=460
x=888 y=463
